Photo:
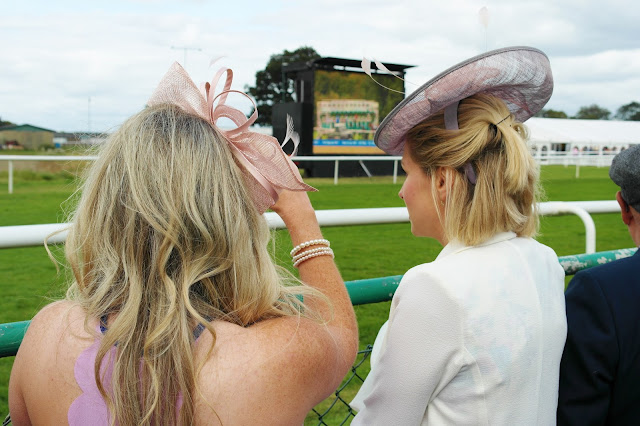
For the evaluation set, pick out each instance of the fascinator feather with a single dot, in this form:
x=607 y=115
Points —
x=267 y=169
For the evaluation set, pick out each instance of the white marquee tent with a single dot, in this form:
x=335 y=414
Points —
x=564 y=134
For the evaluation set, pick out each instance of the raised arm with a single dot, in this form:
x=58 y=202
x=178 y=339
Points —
x=321 y=273
x=309 y=358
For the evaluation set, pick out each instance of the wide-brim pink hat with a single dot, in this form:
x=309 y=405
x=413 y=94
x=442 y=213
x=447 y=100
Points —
x=520 y=76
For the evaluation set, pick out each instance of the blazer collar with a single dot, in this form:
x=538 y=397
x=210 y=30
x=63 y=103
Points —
x=456 y=246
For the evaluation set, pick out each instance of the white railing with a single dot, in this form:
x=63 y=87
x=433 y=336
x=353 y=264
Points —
x=336 y=160
x=543 y=157
x=577 y=159
x=34 y=235
x=11 y=158
x=359 y=158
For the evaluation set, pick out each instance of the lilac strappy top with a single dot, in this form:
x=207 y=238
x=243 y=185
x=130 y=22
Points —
x=90 y=407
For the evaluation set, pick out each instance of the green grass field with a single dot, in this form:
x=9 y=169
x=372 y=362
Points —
x=28 y=278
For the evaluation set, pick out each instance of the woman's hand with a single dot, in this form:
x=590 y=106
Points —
x=296 y=210
x=291 y=201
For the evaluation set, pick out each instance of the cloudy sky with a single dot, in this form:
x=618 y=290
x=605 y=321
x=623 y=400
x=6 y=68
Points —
x=71 y=65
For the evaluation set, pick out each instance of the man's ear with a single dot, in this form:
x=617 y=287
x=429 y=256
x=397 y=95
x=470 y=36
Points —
x=625 y=211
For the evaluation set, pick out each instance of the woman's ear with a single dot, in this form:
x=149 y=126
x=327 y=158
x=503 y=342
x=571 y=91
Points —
x=444 y=180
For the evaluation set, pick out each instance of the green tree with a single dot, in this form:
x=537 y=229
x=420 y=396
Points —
x=269 y=81
x=593 y=112
x=551 y=113
x=629 y=112
x=5 y=123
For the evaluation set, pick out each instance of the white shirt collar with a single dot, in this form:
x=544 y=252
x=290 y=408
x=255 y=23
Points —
x=457 y=246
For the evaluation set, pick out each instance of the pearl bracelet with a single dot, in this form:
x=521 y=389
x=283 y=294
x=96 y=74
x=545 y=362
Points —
x=304 y=253
x=326 y=251
x=317 y=242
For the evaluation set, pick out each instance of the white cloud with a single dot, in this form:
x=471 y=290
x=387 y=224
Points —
x=64 y=52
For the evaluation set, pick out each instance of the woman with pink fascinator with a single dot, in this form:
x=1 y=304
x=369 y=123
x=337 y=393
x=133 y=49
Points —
x=476 y=336
x=177 y=313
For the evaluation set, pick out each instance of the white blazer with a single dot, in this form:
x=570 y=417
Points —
x=473 y=338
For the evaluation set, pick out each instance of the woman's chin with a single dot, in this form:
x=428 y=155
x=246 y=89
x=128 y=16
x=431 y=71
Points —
x=416 y=231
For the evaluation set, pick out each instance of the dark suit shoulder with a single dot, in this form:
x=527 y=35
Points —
x=622 y=275
x=599 y=373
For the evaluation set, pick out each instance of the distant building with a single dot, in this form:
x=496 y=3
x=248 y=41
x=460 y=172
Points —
x=27 y=136
x=81 y=139
x=572 y=135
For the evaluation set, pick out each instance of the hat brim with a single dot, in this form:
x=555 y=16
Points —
x=520 y=76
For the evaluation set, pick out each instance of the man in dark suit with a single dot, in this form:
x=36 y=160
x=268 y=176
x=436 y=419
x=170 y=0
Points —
x=600 y=368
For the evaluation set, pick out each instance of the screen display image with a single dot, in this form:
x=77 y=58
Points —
x=349 y=108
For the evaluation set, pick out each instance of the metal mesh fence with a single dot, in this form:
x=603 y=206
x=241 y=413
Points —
x=336 y=410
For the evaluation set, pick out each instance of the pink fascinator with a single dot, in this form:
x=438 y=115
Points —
x=267 y=169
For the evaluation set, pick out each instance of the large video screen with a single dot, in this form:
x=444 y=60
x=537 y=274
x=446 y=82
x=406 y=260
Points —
x=349 y=108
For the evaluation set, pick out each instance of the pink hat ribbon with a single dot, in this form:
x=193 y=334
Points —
x=268 y=169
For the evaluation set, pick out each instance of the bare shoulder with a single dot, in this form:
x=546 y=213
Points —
x=45 y=359
x=58 y=328
x=289 y=364
x=56 y=310
x=299 y=342
x=295 y=346
x=54 y=319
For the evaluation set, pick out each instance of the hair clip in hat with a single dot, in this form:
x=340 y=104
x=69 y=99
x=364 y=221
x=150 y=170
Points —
x=267 y=168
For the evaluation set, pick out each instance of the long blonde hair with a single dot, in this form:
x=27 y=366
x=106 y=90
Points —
x=505 y=194
x=166 y=236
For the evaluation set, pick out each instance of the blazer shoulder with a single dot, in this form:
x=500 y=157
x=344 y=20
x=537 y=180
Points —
x=628 y=265
x=425 y=280
x=622 y=275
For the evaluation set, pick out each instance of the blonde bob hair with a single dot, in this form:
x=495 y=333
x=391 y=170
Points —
x=167 y=237
x=505 y=193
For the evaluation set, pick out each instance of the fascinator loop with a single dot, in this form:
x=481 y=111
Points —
x=267 y=169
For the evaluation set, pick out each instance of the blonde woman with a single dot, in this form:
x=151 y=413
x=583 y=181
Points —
x=476 y=336
x=177 y=313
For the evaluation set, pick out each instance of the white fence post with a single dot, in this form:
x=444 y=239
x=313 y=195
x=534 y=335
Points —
x=554 y=208
x=395 y=171
x=10 y=177
x=335 y=173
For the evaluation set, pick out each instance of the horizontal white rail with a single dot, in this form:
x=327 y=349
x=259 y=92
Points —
x=34 y=235
x=359 y=158
x=345 y=217
x=603 y=206
x=543 y=157
x=11 y=158
x=577 y=159
x=48 y=157
x=336 y=159
x=31 y=235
